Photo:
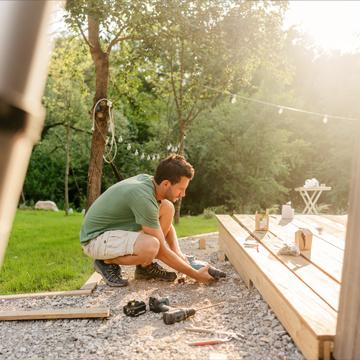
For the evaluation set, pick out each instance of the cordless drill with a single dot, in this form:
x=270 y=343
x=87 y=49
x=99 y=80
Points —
x=159 y=305
x=198 y=264
x=177 y=315
x=170 y=314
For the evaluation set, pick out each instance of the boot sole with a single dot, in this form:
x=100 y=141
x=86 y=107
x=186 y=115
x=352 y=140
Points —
x=125 y=282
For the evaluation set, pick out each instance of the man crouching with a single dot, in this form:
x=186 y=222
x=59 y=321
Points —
x=131 y=224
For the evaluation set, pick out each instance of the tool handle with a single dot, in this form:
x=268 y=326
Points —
x=206 y=342
x=210 y=306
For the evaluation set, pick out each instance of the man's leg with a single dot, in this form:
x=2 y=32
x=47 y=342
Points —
x=146 y=248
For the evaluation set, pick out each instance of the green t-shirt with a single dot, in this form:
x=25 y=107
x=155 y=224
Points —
x=127 y=205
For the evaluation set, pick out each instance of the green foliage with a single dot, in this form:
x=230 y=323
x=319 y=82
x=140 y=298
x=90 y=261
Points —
x=242 y=156
x=246 y=156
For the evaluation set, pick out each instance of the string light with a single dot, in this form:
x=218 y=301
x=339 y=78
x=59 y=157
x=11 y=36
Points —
x=120 y=139
x=279 y=106
x=281 y=110
x=233 y=99
x=128 y=147
x=142 y=156
x=148 y=157
x=136 y=152
x=325 y=119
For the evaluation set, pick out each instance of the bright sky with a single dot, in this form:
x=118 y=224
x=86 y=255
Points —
x=333 y=25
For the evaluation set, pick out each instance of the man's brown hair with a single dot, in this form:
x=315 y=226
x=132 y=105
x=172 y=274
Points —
x=173 y=168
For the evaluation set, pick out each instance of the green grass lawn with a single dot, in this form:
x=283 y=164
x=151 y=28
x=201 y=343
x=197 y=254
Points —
x=44 y=252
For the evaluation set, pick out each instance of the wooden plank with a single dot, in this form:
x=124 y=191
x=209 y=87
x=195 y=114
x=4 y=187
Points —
x=73 y=313
x=92 y=282
x=322 y=254
x=46 y=294
x=335 y=238
x=234 y=260
x=327 y=288
x=330 y=231
x=85 y=290
x=341 y=219
x=307 y=318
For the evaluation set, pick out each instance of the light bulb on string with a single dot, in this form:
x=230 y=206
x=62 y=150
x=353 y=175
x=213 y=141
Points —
x=148 y=157
x=281 y=110
x=233 y=99
x=142 y=156
x=128 y=147
x=136 y=152
x=120 y=140
x=325 y=119
x=158 y=157
x=153 y=158
x=169 y=147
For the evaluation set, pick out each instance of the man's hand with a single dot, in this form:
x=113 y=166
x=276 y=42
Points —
x=203 y=275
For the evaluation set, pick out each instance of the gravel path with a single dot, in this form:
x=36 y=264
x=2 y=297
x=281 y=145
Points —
x=147 y=337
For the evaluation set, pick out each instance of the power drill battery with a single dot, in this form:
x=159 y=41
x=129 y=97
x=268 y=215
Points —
x=134 y=308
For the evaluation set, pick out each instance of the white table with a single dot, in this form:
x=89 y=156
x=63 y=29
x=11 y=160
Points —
x=311 y=195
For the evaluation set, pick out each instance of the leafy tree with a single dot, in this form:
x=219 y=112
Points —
x=242 y=157
x=204 y=48
x=109 y=23
x=66 y=125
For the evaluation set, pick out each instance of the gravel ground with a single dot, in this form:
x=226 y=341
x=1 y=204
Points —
x=147 y=337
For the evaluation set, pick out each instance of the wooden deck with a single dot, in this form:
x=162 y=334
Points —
x=304 y=290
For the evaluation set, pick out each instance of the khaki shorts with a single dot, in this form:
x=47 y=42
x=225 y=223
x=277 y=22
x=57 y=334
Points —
x=111 y=244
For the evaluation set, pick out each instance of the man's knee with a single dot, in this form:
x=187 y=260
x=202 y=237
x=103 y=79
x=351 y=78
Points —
x=167 y=207
x=148 y=247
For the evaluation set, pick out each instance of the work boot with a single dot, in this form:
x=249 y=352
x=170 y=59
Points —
x=111 y=273
x=153 y=271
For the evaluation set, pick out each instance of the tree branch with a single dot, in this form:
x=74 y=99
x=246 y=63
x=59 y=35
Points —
x=48 y=127
x=81 y=130
x=115 y=40
x=174 y=88
x=83 y=34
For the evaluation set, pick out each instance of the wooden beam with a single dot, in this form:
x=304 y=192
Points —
x=46 y=294
x=92 y=282
x=347 y=341
x=85 y=290
x=73 y=313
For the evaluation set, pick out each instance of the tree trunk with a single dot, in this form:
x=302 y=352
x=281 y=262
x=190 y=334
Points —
x=67 y=167
x=181 y=151
x=101 y=61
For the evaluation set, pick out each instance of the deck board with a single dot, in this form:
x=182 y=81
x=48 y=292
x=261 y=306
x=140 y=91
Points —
x=327 y=288
x=323 y=254
x=303 y=291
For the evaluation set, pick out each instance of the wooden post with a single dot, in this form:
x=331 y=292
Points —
x=262 y=221
x=347 y=340
x=303 y=239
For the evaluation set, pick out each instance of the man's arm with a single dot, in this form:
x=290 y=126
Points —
x=170 y=258
x=172 y=240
